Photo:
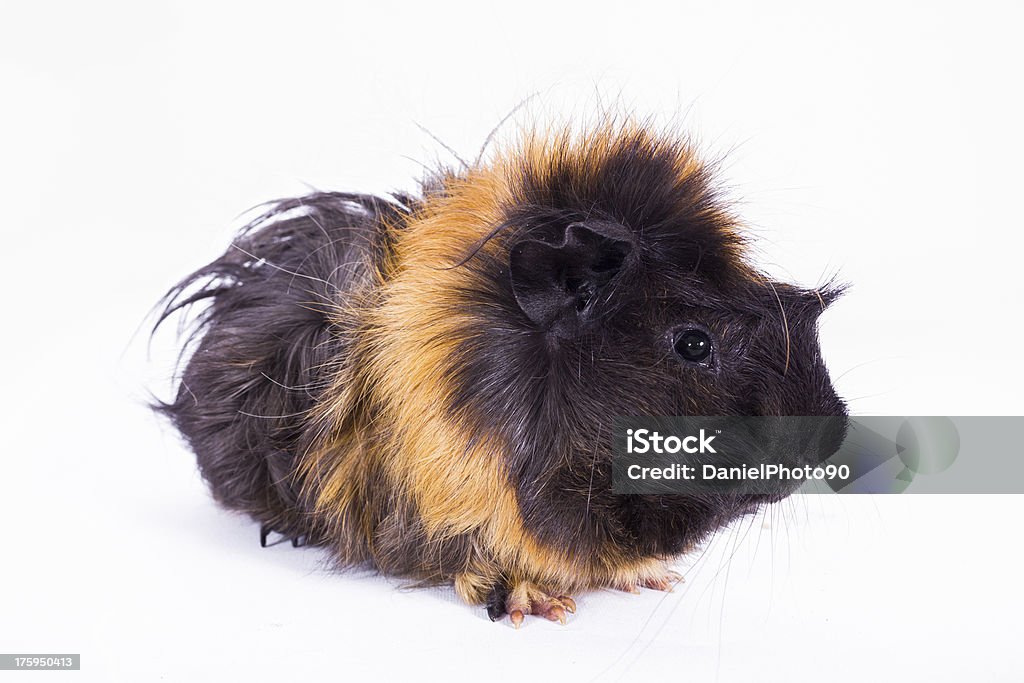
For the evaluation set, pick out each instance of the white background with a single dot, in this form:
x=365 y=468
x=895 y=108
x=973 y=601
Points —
x=879 y=140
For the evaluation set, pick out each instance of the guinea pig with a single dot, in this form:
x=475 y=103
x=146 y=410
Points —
x=426 y=384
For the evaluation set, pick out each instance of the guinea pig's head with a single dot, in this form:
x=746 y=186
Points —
x=609 y=278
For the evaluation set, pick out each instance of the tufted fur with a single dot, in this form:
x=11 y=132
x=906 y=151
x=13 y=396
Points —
x=428 y=384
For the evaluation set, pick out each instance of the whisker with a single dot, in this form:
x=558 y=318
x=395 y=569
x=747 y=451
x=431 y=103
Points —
x=446 y=147
x=494 y=131
x=273 y=417
x=283 y=270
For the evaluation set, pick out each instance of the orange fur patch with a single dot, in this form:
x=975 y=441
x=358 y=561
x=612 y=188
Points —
x=411 y=323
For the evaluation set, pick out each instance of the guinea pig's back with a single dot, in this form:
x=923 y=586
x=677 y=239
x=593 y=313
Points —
x=264 y=344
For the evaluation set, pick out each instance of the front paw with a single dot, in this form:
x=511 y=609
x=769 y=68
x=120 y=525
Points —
x=657 y=577
x=524 y=598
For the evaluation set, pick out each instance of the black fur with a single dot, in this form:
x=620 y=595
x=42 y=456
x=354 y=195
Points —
x=588 y=278
x=496 y=600
x=558 y=372
x=263 y=340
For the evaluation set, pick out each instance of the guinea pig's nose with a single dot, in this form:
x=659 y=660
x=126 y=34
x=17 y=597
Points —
x=799 y=439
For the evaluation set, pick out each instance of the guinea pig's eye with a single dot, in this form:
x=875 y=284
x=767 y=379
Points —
x=693 y=345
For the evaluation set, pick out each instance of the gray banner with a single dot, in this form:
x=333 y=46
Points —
x=775 y=456
x=9 y=662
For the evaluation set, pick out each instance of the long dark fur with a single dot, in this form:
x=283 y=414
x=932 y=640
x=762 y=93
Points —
x=262 y=341
x=528 y=331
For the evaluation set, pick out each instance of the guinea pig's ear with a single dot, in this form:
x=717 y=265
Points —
x=558 y=284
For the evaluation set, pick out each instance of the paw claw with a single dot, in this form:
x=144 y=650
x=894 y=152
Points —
x=556 y=614
x=526 y=598
x=667 y=581
x=656 y=578
x=568 y=603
